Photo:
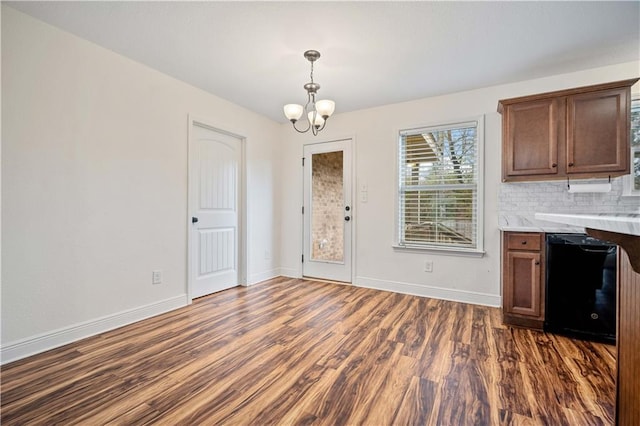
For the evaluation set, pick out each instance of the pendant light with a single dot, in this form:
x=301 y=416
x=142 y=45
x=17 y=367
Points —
x=317 y=112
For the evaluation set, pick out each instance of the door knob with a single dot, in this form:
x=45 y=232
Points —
x=347 y=218
x=194 y=219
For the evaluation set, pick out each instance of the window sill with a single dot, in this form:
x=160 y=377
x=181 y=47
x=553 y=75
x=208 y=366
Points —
x=440 y=250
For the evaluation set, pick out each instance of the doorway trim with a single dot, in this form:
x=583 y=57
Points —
x=351 y=139
x=242 y=202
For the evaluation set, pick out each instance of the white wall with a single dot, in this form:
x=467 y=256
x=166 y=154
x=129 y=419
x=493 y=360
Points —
x=377 y=264
x=94 y=186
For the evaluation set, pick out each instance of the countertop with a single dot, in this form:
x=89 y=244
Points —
x=622 y=223
x=514 y=223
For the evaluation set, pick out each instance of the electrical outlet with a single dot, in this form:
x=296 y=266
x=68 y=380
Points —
x=428 y=266
x=156 y=277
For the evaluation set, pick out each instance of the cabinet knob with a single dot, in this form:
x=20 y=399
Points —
x=570 y=164
x=554 y=165
x=524 y=242
x=537 y=262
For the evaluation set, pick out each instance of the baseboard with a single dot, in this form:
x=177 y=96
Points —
x=519 y=321
x=429 y=291
x=43 y=342
x=290 y=273
x=263 y=276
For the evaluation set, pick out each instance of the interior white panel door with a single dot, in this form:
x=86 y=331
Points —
x=215 y=173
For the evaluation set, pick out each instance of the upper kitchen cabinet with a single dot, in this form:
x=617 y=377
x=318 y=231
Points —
x=530 y=138
x=578 y=133
x=598 y=127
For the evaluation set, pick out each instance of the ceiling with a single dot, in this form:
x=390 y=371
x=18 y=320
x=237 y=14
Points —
x=373 y=53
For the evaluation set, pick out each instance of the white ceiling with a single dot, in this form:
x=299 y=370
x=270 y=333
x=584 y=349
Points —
x=373 y=53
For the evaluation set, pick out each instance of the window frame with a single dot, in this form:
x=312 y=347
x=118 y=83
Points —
x=628 y=180
x=478 y=250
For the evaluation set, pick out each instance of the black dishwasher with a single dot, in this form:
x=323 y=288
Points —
x=581 y=287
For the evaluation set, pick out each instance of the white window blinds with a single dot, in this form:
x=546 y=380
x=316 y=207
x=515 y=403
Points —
x=635 y=146
x=438 y=186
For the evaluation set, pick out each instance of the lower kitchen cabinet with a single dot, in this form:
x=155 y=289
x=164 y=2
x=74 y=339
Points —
x=523 y=279
x=628 y=380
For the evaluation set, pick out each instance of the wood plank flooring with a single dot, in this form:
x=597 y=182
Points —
x=298 y=352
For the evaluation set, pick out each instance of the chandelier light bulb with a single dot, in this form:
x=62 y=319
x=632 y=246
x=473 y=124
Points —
x=325 y=108
x=318 y=122
x=293 y=112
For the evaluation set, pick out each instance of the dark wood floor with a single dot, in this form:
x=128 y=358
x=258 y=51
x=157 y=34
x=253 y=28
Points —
x=304 y=352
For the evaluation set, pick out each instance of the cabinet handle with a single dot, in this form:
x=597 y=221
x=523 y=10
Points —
x=570 y=164
x=554 y=165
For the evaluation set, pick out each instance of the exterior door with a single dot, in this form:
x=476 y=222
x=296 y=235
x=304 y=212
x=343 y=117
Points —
x=215 y=160
x=328 y=211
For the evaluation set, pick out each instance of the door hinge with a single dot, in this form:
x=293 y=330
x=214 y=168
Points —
x=302 y=161
x=303 y=258
x=302 y=209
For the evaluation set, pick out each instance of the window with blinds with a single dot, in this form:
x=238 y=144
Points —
x=439 y=182
x=635 y=148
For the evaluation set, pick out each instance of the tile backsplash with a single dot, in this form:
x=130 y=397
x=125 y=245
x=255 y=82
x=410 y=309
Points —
x=527 y=198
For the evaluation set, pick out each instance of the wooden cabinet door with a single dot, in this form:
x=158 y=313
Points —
x=530 y=137
x=598 y=132
x=522 y=286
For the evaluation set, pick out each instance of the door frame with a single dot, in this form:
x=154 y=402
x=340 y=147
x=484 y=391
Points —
x=351 y=139
x=242 y=202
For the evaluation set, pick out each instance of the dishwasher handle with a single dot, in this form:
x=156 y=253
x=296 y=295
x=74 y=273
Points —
x=588 y=249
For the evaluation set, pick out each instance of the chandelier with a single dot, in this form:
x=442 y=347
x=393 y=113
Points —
x=316 y=113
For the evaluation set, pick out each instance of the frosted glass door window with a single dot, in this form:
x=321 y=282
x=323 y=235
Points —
x=327 y=214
